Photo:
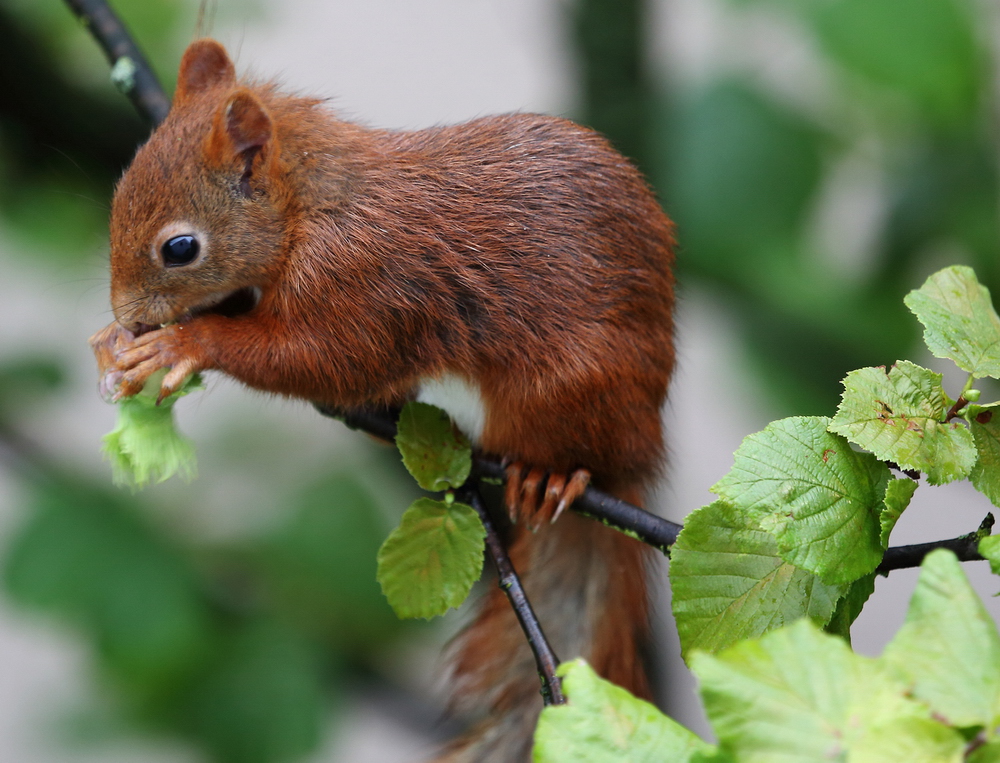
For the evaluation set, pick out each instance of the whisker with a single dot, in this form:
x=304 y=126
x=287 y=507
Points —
x=69 y=158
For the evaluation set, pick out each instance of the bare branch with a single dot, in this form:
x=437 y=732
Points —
x=510 y=583
x=966 y=548
x=130 y=71
x=649 y=528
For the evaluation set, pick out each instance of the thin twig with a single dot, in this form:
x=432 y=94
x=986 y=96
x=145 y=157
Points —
x=649 y=528
x=510 y=583
x=130 y=71
x=966 y=548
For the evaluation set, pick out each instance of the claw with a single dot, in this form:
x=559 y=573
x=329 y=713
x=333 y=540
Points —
x=107 y=387
x=553 y=492
x=175 y=378
x=574 y=489
x=530 y=489
x=537 y=498
x=135 y=378
x=107 y=343
x=512 y=495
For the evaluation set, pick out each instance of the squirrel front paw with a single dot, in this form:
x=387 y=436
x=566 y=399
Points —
x=538 y=496
x=172 y=347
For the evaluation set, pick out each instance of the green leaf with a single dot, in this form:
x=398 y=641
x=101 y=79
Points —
x=899 y=416
x=434 y=451
x=431 y=560
x=145 y=446
x=850 y=606
x=925 y=50
x=602 y=723
x=989 y=549
x=914 y=740
x=799 y=695
x=949 y=648
x=729 y=583
x=988 y=753
x=959 y=320
x=820 y=498
x=985 y=476
x=897 y=497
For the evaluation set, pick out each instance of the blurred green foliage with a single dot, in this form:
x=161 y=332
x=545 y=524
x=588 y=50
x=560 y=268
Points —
x=241 y=648
x=743 y=169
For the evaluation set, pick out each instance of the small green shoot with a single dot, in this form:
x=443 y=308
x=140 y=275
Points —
x=145 y=446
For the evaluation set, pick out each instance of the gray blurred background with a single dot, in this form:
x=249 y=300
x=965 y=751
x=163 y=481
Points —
x=820 y=157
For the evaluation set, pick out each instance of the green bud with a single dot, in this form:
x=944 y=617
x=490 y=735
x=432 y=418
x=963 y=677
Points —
x=145 y=446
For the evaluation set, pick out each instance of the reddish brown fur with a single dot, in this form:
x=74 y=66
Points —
x=520 y=252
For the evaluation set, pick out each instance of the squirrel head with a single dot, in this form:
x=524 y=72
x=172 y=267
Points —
x=196 y=220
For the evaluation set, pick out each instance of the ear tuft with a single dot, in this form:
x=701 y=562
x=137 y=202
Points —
x=247 y=122
x=205 y=65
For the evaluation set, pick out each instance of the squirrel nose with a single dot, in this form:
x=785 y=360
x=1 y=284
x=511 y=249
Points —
x=141 y=328
x=129 y=310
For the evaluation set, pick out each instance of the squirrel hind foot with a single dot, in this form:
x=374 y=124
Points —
x=538 y=497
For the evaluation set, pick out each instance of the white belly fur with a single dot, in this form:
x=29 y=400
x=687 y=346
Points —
x=460 y=398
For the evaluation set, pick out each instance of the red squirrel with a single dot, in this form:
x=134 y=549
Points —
x=514 y=270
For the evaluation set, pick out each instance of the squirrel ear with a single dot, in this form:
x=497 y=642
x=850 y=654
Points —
x=204 y=65
x=241 y=129
x=247 y=122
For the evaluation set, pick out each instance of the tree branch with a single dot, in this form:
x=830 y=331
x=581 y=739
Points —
x=966 y=548
x=510 y=583
x=649 y=528
x=130 y=71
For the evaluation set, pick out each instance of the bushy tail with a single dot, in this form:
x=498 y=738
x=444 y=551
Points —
x=587 y=584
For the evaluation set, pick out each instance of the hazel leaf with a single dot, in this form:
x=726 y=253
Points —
x=985 y=476
x=899 y=416
x=989 y=549
x=434 y=451
x=602 y=722
x=430 y=561
x=730 y=583
x=959 y=320
x=800 y=695
x=850 y=606
x=948 y=650
x=897 y=497
x=820 y=498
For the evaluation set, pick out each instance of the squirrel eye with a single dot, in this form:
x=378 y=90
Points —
x=179 y=250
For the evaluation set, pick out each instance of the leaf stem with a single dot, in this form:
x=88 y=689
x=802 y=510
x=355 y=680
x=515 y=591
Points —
x=956 y=409
x=968 y=384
